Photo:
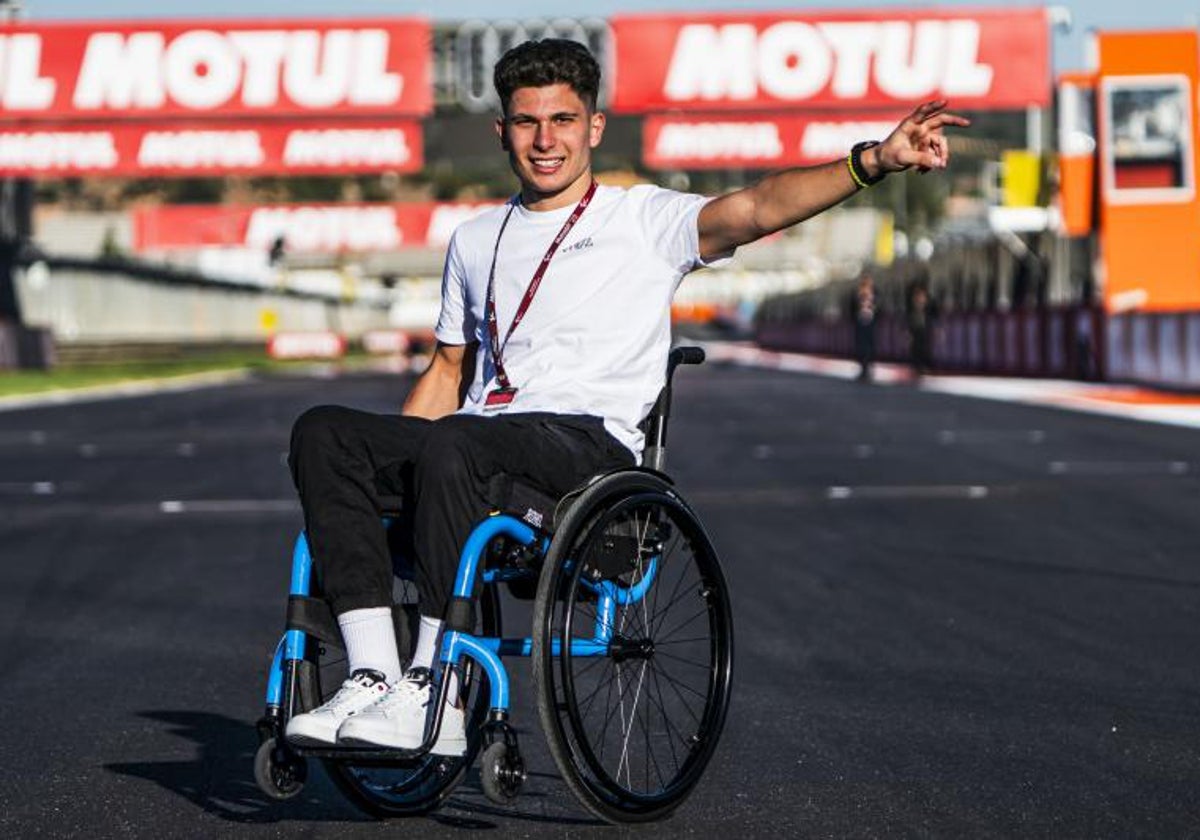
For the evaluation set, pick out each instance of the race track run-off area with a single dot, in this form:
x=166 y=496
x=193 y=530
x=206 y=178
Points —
x=954 y=617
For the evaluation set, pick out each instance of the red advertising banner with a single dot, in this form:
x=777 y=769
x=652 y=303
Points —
x=757 y=141
x=189 y=148
x=152 y=70
x=976 y=58
x=305 y=228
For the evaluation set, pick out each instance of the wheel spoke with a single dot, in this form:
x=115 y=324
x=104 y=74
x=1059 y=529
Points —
x=662 y=710
x=707 y=666
x=703 y=611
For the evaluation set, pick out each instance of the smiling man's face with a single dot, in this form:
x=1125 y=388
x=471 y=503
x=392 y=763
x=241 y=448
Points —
x=549 y=134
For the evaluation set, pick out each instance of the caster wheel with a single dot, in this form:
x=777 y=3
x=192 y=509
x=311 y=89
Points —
x=279 y=773
x=501 y=773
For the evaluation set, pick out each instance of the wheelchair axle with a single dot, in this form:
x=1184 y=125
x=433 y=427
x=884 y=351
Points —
x=621 y=648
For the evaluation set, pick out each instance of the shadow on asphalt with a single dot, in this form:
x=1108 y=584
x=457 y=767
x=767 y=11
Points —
x=220 y=780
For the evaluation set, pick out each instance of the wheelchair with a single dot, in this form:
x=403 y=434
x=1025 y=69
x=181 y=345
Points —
x=631 y=650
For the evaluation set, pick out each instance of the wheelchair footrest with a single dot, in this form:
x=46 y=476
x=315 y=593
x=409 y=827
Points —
x=383 y=755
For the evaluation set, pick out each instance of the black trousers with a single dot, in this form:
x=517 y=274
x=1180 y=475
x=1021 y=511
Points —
x=343 y=460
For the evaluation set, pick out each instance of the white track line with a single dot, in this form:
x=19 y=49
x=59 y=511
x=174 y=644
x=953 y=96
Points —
x=911 y=491
x=174 y=506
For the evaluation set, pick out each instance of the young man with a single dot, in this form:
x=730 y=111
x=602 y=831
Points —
x=552 y=343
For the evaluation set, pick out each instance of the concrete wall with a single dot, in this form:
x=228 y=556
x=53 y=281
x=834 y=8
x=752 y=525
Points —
x=89 y=306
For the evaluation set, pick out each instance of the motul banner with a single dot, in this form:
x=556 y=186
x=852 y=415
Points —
x=186 y=148
x=758 y=141
x=304 y=227
x=978 y=59
x=215 y=68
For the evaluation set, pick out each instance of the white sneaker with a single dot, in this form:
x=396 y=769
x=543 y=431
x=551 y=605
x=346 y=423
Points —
x=397 y=720
x=319 y=727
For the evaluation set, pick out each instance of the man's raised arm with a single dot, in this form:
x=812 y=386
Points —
x=441 y=388
x=789 y=196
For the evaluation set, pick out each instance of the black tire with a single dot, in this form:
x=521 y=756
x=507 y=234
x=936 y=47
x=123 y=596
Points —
x=495 y=776
x=420 y=786
x=677 y=656
x=278 y=773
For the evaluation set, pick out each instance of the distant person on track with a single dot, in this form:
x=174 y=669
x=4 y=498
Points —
x=551 y=347
x=864 y=312
x=922 y=316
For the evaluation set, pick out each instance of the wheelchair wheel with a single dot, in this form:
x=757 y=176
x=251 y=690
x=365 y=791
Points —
x=633 y=730
x=413 y=787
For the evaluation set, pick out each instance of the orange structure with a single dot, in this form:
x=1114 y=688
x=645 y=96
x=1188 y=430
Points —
x=1128 y=163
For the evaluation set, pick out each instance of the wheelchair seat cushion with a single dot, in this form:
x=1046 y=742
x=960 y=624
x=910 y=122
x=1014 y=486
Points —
x=522 y=500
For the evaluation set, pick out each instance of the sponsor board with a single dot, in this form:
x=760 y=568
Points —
x=191 y=148
x=386 y=342
x=723 y=141
x=305 y=228
x=156 y=70
x=306 y=345
x=977 y=58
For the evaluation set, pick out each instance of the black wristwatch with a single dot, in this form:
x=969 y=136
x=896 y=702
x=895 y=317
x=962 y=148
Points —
x=856 y=165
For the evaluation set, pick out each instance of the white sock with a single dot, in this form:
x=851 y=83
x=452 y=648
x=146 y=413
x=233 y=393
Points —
x=371 y=641
x=427 y=648
x=427 y=643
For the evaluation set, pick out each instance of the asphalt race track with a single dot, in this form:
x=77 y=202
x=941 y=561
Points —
x=955 y=617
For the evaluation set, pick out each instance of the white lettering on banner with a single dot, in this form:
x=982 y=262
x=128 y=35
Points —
x=446 y=218
x=201 y=70
x=120 y=73
x=708 y=141
x=965 y=76
x=713 y=62
x=370 y=83
x=204 y=69
x=201 y=149
x=347 y=147
x=318 y=345
x=794 y=61
x=263 y=53
x=23 y=85
x=831 y=139
x=54 y=151
x=307 y=229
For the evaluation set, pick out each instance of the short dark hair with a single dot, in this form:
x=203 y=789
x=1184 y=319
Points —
x=550 y=61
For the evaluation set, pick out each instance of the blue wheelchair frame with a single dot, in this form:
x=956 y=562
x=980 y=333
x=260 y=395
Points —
x=486 y=650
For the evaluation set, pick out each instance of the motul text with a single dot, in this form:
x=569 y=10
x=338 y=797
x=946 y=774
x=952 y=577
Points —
x=176 y=69
x=985 y=58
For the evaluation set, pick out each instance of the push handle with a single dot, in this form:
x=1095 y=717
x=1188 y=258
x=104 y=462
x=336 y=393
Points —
x=654 y=455
x=684 y=356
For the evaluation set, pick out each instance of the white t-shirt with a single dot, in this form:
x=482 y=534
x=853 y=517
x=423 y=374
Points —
x=595 y=339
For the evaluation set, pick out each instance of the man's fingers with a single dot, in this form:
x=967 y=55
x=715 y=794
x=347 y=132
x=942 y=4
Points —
x=928 y=109
x=933 y=114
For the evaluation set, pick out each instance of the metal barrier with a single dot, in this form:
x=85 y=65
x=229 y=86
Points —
x=82 y=301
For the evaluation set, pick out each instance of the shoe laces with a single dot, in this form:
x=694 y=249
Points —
x=351 y=691
x=412 y=690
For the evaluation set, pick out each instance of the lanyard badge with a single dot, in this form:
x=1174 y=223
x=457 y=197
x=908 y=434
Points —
x=500 y=398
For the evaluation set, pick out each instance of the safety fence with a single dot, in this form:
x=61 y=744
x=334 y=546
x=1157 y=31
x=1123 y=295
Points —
x=1159 y=348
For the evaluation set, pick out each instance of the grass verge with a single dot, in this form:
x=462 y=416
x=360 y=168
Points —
x=16 y=383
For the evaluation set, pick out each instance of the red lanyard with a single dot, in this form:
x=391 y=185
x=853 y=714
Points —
x=523 y=307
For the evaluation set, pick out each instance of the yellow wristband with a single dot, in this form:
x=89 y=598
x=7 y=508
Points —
x=862 y=185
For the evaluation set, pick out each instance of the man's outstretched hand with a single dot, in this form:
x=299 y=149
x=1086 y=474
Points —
x=918 y=141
